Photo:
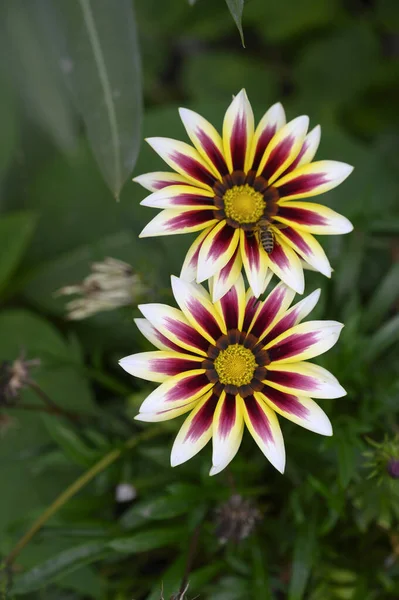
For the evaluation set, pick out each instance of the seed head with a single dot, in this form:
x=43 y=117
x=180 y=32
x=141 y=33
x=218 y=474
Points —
x=236 y=519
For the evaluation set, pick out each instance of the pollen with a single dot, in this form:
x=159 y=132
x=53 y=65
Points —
x=243 y=204
x=235 y=365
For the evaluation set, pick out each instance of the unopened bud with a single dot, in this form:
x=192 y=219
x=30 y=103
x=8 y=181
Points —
x=111 y=284
x=393 y=468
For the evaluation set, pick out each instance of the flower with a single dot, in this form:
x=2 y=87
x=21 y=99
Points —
x=14 y=377
x=235 y=361
x=111 y=284
x=226 y=187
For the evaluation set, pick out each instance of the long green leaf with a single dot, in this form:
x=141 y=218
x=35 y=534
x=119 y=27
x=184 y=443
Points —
x=383 y=298
x=385 y=337
x=236 y=8
x=148 y=540
x=58 y=566
x=302 y=560
x=103 y=70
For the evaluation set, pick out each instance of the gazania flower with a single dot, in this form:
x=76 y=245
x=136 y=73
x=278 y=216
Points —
x=232 y=362
x=247 y=185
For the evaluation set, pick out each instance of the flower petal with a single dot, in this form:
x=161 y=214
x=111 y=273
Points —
x=216 y=250
x=271 y=309
x=206 y=139
x=172 y=221
x=189 y=268
x=307 y=247
x=177 y=391
x=159 y=180
x=293 y=316
x=196 y=430
x=313 y=218
x=313 y=179
x=165 y=414
x=255 y=262
x=227 y=276
x=308 y=150
x=238 y=129
x=173 y=325
x=284 y=262
x=232 y=306
x=271 y=122
x=185 y=160
x=156 y=338
x=251 y=306
x=264 y=427
x=304 y=341
x=299 y=410
x=159 y=365
x=228 y=429
x=198 y=309
x=283 y=149
x=180 y=196
x=304 y=378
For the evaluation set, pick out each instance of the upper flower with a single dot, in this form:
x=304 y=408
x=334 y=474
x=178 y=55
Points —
x=243 y=189
x=234 y=361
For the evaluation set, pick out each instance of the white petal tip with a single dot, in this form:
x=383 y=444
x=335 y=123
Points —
x=215 y=470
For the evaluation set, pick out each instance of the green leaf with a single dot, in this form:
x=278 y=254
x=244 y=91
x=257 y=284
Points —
x=303 y=559
x=383 y=298
x=236 y=8
x=35 y=72
x=103 y=71
x=385 y=337
x=148 y=540
x=260 y=575
x=71 y=443
x=15 y=234
x=58 y=566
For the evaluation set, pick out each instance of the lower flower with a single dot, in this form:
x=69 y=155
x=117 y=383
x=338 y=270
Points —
x=232 y=363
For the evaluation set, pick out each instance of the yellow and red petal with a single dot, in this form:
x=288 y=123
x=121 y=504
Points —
x=185 y=159
x=313 y=218
x=174 y=326
x=231 y=307
x=179 y=197
x=308 y=150
x=165 y=414
x=227 y=431
x=264 y=427
x=206 y=139
x=190 y=264
x=159 y=180
x=198 y=309
x=271 y=122
x=283 y=149
x=313 y=179
x=255 y=262
x=154 y=336
x=159 y=365
x=174 y=221
x=196 y=430
x=304 y=378
x=285 y=263
x=276 y=303
x=293 y=316
x=227 y=276
x=238 y=130
x=304 y=341
x=307 y=247
x=216 y=250
x=176 y=391
x=300 y=410
x=251 y=306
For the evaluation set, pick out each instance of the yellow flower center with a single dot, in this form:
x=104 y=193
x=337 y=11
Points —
x=243 y=204
x=235 y=365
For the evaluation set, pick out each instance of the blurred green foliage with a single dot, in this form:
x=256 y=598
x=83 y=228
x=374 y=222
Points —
x=327 y=531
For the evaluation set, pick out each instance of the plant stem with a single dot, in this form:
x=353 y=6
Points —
x=76 y=486
x=73 y=417
x=189 y=564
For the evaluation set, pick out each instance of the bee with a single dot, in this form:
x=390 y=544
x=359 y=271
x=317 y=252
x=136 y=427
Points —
x=266 y=235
